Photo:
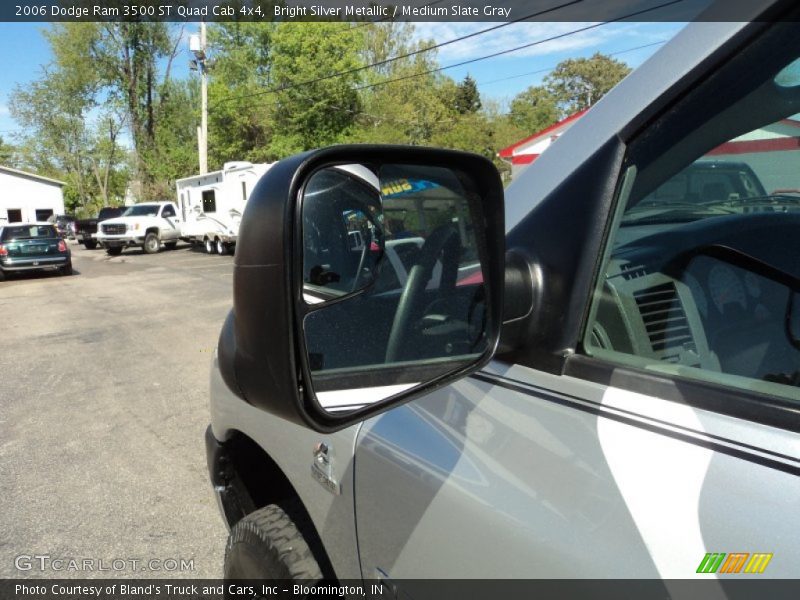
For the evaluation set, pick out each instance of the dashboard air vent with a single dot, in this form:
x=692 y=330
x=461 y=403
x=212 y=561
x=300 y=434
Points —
x=633 y=271
x=665 y=319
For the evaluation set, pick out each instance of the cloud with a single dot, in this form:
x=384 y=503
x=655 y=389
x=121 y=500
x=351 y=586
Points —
x=568 y=38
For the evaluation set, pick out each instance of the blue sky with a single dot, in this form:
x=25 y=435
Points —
x=25 y=52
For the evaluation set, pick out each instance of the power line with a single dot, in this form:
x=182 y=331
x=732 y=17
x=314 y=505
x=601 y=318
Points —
x=517 y=48
x=402 y=56
x=379 y=118
x=548 y=69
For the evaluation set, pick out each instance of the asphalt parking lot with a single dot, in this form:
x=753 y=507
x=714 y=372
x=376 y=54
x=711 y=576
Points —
x=103 y=405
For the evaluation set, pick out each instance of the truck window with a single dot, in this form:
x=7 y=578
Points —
x=702 y=279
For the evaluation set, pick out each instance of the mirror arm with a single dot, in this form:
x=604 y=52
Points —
x=523 y=280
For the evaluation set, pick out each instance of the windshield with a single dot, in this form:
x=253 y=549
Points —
x=142 y=210
x=28 y=232
x=108 y=213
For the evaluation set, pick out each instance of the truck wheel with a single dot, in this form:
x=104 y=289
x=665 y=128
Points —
x=66 y=269
x=222 y=248
x=151 y=243
x=114 y=250
x=90 y=244
x=267 y=544
x=209 y=246
x=170 y=245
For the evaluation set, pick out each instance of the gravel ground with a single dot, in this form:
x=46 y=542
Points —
x=103 y=405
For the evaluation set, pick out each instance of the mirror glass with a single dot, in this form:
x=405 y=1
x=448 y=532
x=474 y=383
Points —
x=392 y=280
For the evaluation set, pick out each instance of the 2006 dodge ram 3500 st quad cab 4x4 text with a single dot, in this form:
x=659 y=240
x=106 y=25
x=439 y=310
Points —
x=592 y=374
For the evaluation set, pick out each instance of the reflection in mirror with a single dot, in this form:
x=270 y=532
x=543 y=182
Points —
x=392 y=273
x=789 y=76
x=342 y=237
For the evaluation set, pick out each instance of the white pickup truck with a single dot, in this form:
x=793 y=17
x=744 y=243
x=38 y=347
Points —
x=147 y=225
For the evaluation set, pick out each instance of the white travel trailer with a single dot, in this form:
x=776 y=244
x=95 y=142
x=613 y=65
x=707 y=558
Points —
x=212 y=204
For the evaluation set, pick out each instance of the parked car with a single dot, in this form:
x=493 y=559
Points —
x=85 y=229
x=33 y=247
x=616 y=395
x=147 y=225
x=65 y=225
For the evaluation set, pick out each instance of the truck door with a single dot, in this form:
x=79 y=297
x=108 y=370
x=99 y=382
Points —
x=665 y=444
x=172 y=227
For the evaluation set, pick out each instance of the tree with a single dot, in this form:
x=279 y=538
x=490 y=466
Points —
x=577 y=84
x=127 y=57
x=239 y=111
x=468 y=99
x=63 y=141
x=7 y=154
x=533 y=110
x=403 y=102
x=312 y=108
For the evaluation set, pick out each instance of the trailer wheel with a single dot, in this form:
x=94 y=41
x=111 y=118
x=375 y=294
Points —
x=222 y=248
x=209 y=246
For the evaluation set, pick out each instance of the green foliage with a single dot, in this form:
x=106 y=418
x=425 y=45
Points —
x=63 y=141
x=533 y=110
x=127 y=57
x=468 y=99
x=107 y=112
x=314 y=109
x=239 y=112
x=578 y=83
x=8 y=154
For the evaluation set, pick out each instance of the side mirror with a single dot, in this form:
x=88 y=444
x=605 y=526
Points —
x=364 y=276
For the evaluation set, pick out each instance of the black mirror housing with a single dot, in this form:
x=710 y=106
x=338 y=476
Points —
x=262 y=350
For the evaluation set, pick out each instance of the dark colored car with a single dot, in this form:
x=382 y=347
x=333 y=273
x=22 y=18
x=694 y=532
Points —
x=86 y=228
x=65 y=225
x=33 y=247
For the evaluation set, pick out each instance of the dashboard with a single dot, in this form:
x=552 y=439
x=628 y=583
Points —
x=721 y=294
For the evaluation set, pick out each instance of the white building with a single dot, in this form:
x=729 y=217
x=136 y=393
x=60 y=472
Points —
x=25 y=197
x=524 y=152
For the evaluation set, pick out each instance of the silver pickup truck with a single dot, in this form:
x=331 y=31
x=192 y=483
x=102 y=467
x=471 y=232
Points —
x=612 y=391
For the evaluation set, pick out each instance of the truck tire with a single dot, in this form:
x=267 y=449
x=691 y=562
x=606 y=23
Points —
x=222 y=248
x=90 y=244
x=209 y=245
x=266 y=544
x=114 y=250
x=151 y=244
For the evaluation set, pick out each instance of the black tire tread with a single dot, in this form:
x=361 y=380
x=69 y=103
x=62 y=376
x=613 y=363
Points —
x=272 y=528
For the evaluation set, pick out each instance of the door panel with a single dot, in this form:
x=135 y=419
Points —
x=498 y=476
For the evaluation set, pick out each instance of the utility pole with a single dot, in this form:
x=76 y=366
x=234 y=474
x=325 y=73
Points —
x=197 y=44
